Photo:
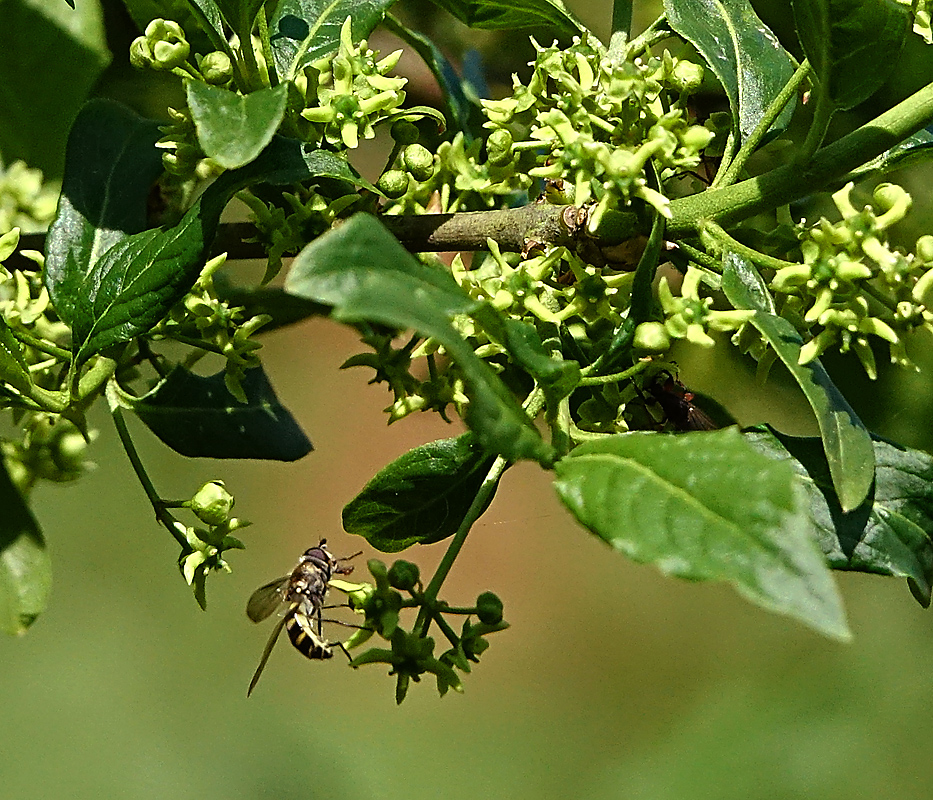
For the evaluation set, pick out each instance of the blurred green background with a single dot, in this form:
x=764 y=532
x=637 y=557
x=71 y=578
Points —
x=613 y=682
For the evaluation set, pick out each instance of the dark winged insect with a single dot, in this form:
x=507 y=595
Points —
x=678 y=406
x=303 y=590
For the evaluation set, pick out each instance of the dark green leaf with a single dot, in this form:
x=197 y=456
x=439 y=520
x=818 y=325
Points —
x=110 y=165
x=25 y=568
x=240 y=14
x=421 y=497
x=889 y=533
x=50 y=59
x=362 y=271
x=852 y=45
x=234 y=128
x=916 y=149
x=198 y=417
x=671 y=500
x=507 y=14
x=845 y=439
x=742 y=52
x=302 y=31
x=135 y=283
x=13 y=367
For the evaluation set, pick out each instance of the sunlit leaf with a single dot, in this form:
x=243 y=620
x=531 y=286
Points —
x=672 y=500
x=234 y=128
x=744 y=54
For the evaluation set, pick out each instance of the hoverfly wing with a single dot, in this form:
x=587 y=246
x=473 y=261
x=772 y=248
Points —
x=266 y=599
x=267 y=652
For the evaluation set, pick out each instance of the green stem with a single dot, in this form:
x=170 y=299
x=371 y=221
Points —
x=164 y=518
x=730 y=204
x=631 y=372
x=723 y=241
x=41 y=345
x=272 y=77
x=477 y=507
x=750 y=145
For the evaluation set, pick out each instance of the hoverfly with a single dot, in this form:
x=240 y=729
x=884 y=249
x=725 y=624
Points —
x=304 y=590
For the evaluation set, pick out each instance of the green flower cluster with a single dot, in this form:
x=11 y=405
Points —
x=25 y=201
x=410 y=654
x=853 y=285
x=205 y=321
x=345 y=95
x=595 y=122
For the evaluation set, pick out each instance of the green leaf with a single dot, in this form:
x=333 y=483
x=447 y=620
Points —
x=302 y=31
x=110 y=165
x=25 y=567
x=845 y=438
x=362 y=271
x=234 y=128
x=744 y=54
x=13 y=368
x=240 y=14
x=199 y=418
x=557 y=377
x=508 y=14
x=852 y=45
x=50 y=59
x=131 y=288
x=671 y=500
x=421 y=497
x=914 y=150
x=889 y=533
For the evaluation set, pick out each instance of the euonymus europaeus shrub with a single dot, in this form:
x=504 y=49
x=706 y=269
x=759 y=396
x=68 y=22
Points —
x=592 y=216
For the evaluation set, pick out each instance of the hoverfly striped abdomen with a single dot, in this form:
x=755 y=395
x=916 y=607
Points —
x=305 y=640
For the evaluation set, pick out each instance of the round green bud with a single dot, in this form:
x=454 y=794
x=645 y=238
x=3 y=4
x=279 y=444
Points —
x=687 y=76
x=924 y=249
x=403 y=575
x=651 y=338
x=216 y=68
x=489 y=608
x=140 y=53
x=499 y=147
x=418 y=161
x=393 y=183
x=405 y=132
x=212 y=503
x=167 y=43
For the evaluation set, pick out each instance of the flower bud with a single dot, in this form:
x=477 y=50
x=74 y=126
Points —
x=393 y=183
x=403 y=575
x=216 y=68
x=489 y=608
x=651 y=338
x=212 y=503
x=405 y=132
x=418 y=161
